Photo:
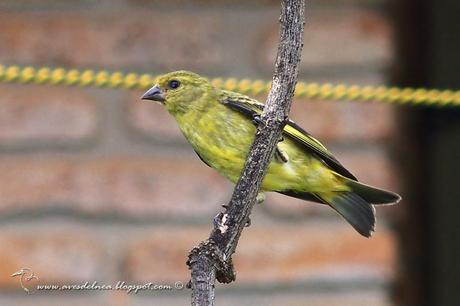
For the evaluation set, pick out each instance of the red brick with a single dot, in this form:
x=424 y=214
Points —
x=321 y=251
x=152 y=119
x=129 y=186
x=338 y=39
x=275 y=297
x=326 y=120
x=373 y=167
x=192 y=39
x=40 y=299
x=200 y=3
x=280 y=253
x=53 y=257
x=142 y=39
x=345 y=121
x=36 y=115
x=133 y=4
x=357 y=297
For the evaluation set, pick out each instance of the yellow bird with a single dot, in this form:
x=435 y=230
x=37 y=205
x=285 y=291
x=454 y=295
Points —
x=220 y=125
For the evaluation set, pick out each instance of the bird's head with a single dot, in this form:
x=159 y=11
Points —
x=179 y=91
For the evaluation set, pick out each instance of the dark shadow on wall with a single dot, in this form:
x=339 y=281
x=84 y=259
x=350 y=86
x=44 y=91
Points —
x=428 y=48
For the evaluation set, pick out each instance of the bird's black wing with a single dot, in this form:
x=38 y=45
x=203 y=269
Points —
x=252 y=108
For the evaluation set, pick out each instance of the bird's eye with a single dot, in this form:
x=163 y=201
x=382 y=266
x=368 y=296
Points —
x=173 y=84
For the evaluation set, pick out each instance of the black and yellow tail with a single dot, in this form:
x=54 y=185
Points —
x=356 y=205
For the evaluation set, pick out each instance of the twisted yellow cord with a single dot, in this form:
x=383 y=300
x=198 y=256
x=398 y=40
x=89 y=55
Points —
x=87 y=78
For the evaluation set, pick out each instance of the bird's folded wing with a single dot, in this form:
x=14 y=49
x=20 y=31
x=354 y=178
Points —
x=251 y=108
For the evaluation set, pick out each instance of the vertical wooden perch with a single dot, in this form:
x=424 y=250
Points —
x=212 y=259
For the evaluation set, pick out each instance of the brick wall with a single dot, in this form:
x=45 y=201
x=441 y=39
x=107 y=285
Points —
x=97 y=186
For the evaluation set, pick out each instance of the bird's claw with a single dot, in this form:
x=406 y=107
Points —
x=256 y=119
x=260 y=197
x=280 y=155
x=217 y=220
x=248 y=223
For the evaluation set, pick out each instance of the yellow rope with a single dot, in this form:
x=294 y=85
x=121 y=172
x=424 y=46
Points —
x=87 y=78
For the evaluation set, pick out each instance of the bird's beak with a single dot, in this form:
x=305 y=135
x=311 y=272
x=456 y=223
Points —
x=155 y=94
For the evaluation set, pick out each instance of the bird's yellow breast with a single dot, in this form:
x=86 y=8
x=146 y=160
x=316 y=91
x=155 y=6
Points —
x=222 y=138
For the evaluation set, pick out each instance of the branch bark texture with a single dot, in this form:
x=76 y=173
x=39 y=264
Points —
x=211 y=260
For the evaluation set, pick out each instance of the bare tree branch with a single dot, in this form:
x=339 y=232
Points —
x=211 y=260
